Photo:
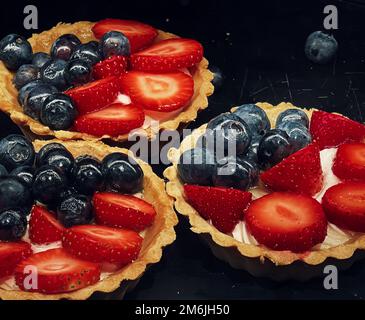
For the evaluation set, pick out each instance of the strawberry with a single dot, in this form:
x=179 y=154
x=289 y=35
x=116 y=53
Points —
x=123 y=211
x=113 y=66
x=11 y=254
x=57 y=272
x=159 y=92
x=301 y=172
x=344 y=205
x=330 y=130
x=94 y=95
x=349 y=163
x=224 y=207
x=140 y=35
x=168 y=55
x=43 y=226
x=103 y=244
x=114 y=120
x=287 y=221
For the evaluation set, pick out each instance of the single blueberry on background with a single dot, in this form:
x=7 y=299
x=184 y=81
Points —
x=53 y=73
x=64 y=46
x=299 y=135
x=88 y=52
x=320 y=47
x=293 y=115
x=114 y=43
x=15 y=51
x=78 y=71
x=75 y=210
x=24 y=91
x=13 y=225
x=25 y=74
x=25 y=173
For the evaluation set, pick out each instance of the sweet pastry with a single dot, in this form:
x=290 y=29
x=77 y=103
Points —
x=290 y=198
x=82 y=216
x=102 y=80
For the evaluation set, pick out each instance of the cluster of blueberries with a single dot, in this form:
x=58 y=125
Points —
x=56 y=179
x=256 y=147
x=41 y=77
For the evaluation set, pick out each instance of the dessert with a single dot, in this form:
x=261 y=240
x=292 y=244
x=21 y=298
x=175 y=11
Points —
x=287 y=201
x=83 y=216
x=102 y=80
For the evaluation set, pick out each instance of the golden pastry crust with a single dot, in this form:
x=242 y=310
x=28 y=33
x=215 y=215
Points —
x=174 y=188
x=159 y=235
x=43 y=41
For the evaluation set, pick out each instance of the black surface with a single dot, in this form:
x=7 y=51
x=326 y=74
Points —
x=259 y=48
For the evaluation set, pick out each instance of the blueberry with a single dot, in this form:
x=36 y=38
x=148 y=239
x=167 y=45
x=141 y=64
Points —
x=274 y=146
x=64 y=46
x=49 y=182
x=254 y=170
x=255 y=117
x=85 y=159
x=78 y=72
x=46 y=149
x=88 y=175
x=24 y=91
x=292 y=115
x=68 y=192
x=16 y=151
x=220 y=119
x=122 y=173
x=196 y=166
x=14 y=194
x=34 y=100
x=58 y=112
x=25 y=74
x=3 y=171
x=252 y=150
x=299 y=135
x=25 y=173
x=61 y=159
x=320 y=47
x=13 y=225
x=15 y=51
x=218 y=77
x=114 y=43
x=53 y=73
x=75 y=210
x=88 y=52
x=40 y=58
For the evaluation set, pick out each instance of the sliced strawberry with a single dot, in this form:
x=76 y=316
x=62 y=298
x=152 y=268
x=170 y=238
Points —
x=113 y=66
x=44 y=227
x=123 y=211
x=94 y=95
x=349 y=163
x=330 y=130
x=11 y=254
x=103 y=244
x=114 y=120
x=344 y=205
x=168 y=55
x=159 y=92
x=140 y=35
x=56 y=271
x=301 y=172
x=287 y=221
x=224 y=207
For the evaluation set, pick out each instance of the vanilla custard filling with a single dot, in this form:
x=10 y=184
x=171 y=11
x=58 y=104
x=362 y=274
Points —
x=335 y=236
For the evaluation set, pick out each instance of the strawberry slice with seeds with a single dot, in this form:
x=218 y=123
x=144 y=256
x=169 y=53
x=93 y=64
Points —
x=349 y=163
x=94 y=95
x=168 y=55
x=140 y=35
x=112 y=66
x=57 y=272
x=11 y=254
x=330 y=130
x=123 y=211
x=158 y=92
x=43 y=226
x=287 y=221
x=224 y=207
x=344 y=205
x=103 y=244
x=114 y=120
x=301 y=172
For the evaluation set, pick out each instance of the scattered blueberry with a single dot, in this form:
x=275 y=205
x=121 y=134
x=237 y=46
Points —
x=15 y=51
x=53 y=73
x=64 y=46
x=78 y=72
x=68 y=192
x=25 y=74
x=3 y=171
x=58 y=112
x=299 y=135
x=122 y=173
x=46 y=149
x=61 y=159
x=75 y=210
x=87 y=51
x=88 y=175
x=292 y=115
x=24 y=91
x=252 y=150
x=25 y=173
x=40 y=58
x=114 y=43
x=254 y=170
x=13 y=225
x=16 y=151
x=320 y=47
x=220 y=119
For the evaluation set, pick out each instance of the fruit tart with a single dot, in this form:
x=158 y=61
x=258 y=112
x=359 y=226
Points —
x=287 y=201
x=102 y=80
x=77 y=218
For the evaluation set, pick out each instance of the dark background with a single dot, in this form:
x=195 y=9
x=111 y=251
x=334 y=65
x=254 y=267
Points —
x=258 y=46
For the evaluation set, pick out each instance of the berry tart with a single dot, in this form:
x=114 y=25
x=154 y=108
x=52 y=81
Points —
x=102 y=80
x=288 y=201
x=77 y=218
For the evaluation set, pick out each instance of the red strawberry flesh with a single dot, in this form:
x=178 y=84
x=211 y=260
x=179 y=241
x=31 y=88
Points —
x=113 y=66
x=11 y=254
